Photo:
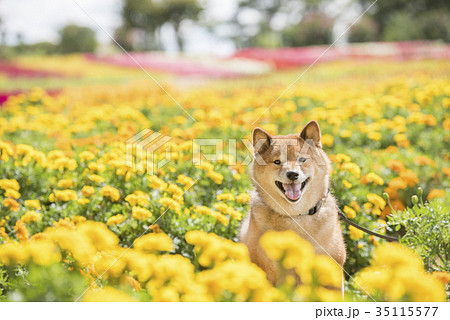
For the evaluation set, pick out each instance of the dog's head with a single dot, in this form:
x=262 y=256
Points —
x=293 y=169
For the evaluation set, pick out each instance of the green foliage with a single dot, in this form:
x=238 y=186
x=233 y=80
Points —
x=77 y=39
x=365 y=30
x=315 y=28
x=426 y=228
x=42 y=283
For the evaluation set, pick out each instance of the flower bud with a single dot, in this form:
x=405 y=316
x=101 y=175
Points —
x=415 y=200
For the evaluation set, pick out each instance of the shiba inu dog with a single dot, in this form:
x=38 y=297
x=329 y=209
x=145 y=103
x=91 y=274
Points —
x=291 y=192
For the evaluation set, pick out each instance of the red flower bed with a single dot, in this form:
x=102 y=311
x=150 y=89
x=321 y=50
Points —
x=13 y=71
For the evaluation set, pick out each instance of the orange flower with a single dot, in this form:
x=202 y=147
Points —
x=395 y=165
x=436 y=193
x=446 y=171
x=410 y=177
x=442 y=276
x=21 y=230
x=429 y=119
x=12 y=204
x=446 y=124
x=424 y=160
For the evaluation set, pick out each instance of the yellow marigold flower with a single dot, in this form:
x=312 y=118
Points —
x=290 y=249
x=221 y=207
x=154 y=242
x=346 y=184
x=78 y=219
x=157 y=183
x=402 y=140
x=96 y=178
x=372 y=178
x=355 y=233
x=376 y=200
x=185 y=181
x=225 y=196
x=12 y=204
x=375 y=136
x=110 y=192
x=65 y=195
x=6 y=184
x=43 y=252
x=10 y=193
x=65 y=183
x=31 y=216
x=86 y=156
x=243 y=198
x=107 y=294
x=87 y=191
x=139 y=213
x=83 y=201
x=215 y=176
x=351 y=167
x=349 y=212
x=114 y=220
x=340 y=157
x=33 y=204
x=203 y=210
x=206 y=166
x=327 y=140
x=346 y=133
x=175 y=190
x=21 y=230
x=435 y=193
x=236 y=176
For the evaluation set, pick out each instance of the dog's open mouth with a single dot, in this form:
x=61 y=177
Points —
x=292 y=191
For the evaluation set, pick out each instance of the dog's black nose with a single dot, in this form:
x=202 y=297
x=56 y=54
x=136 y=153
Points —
x=292 y=175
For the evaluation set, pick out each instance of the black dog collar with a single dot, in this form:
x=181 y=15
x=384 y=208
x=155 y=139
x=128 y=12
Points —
x=319 y=205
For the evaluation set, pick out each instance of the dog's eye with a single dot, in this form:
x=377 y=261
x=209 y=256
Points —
x=277 y=162
x=301 y=160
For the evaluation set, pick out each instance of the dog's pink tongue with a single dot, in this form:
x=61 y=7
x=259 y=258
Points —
x=292 y=190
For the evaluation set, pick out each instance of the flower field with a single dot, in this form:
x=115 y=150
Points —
x=78 y=223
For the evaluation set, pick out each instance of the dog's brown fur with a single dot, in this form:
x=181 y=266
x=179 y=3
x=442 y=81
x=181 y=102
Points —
x=270 y=208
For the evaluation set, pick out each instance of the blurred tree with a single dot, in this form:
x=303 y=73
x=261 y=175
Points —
x=405 y=19
x=150 y=15
x=279 y=23
x=315 y=28
x=77 y=39
x=366 y=29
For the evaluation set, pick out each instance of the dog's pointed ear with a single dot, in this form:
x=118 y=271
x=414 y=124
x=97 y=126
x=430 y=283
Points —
x=261 y=140
x=312 y=132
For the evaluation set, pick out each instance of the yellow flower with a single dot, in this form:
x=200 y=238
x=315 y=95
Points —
x=243 y=198
x=65 y=183
x=107 y=294
x=372 y=178
x=12 y=204
x=31 y=216
x=139 y=213
x=86 y=156
x=83 y=201
x=33 y=204
x=87 y=191
x=351 y=167
x=154 y=242
x=225 y=196
x=355 y=233
x=114 y=220
x=215 y=176
x=96 y=178
x=21 y=230
x=346 y=184
x=6 y=184
x=327 y=140
x=110 y=192
x=65 y=195
x=10 y=193
x=349 y=212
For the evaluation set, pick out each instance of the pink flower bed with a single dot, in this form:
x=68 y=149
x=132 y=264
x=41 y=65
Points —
x=13 y=71
x=283 y=58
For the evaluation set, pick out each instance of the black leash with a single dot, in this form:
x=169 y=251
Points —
x=343 y=217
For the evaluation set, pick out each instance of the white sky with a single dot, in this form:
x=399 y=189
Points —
x=40 y=20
